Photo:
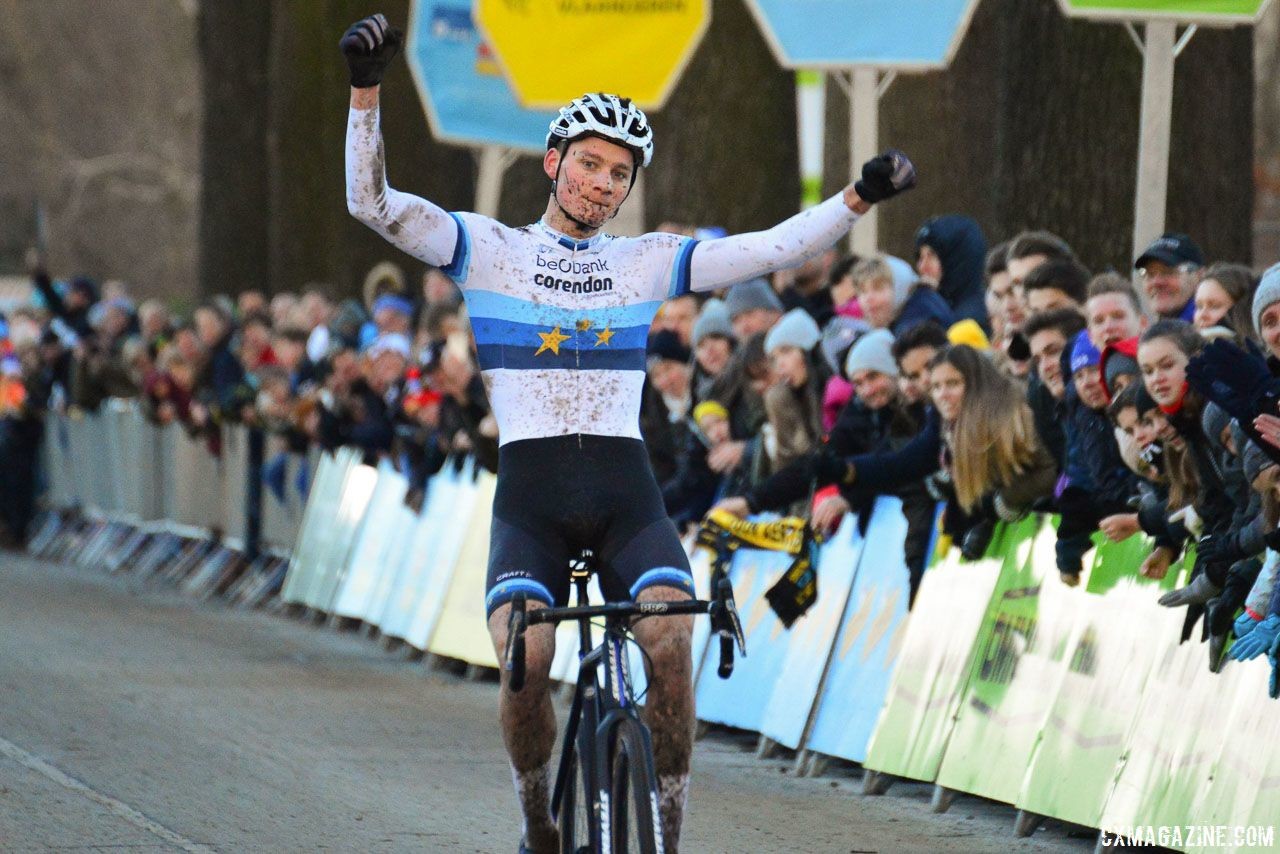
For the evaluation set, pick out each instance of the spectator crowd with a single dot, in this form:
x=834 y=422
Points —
x=996 y=381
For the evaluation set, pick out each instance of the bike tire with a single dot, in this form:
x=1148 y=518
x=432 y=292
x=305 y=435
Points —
x=573 y=812
x=633 y=793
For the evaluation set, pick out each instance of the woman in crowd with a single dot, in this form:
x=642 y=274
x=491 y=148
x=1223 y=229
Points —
x=793 y=404
x=1224 y=298
x=990 y=441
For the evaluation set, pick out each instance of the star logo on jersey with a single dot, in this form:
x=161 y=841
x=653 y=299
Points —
x=584 y=324
x=603 y=338
x=551 y=341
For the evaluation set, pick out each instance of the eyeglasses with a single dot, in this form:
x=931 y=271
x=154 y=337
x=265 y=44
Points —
x=1180 y=270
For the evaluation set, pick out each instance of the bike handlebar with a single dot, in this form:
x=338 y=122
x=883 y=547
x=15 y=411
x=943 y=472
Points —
x=721 y=609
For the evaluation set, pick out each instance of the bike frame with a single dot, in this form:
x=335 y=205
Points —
x=596 y=711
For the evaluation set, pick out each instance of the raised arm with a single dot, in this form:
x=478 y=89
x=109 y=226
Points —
x=413 y=224
x=716 y=263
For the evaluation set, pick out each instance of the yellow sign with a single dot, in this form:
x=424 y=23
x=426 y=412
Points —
x=553 y=51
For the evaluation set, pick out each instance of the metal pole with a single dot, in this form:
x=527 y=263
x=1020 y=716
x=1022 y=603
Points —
x=811 y=103
x=1153 y=136
x=494 y=160
x=864 y=133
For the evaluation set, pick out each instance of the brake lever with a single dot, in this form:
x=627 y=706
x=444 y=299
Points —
x=724 y=616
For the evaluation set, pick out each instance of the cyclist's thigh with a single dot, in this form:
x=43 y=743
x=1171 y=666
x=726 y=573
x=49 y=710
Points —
x=520 y=562
x=645 y=554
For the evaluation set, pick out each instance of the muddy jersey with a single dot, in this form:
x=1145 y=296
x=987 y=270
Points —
x=560 y=324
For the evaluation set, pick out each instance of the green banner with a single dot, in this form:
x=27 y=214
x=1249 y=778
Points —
x=937 y=656
x=1020 y=651
x=1112 y=648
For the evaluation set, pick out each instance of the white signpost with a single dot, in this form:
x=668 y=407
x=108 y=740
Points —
x=865 y=44
x=1160 y=48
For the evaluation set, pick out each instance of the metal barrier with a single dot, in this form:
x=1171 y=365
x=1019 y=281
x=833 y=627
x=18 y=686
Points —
x=1071 y=703
x=117 y=465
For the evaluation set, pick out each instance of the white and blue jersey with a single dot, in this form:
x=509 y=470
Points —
x=560 y=330
x=560 y=324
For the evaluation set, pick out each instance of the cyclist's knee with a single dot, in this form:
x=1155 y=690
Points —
x=667 y=640
x=540 y=648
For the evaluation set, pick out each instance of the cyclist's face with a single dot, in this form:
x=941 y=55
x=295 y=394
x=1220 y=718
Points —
x=592 y=178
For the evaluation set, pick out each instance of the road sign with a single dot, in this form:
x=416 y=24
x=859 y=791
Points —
x=890 y=35
x=863 y=43
x=466 y=98
x=1186 y=11
x=552 y=51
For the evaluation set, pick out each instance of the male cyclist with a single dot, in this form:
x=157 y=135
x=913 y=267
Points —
x=560 y=312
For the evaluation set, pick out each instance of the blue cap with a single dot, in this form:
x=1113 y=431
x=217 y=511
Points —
x=1083 y=353
x=395 y=303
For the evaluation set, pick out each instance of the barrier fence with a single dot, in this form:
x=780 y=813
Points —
x=1071 y=703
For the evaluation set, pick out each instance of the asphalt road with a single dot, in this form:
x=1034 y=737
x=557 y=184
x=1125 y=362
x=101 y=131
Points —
x=132 y=718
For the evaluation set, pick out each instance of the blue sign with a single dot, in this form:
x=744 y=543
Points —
x=463 y=91
x=866 y=647
x=907 y=35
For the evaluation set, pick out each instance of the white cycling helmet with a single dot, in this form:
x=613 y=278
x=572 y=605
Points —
x=608 y=116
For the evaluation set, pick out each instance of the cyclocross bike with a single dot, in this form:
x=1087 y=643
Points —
x=605 y=797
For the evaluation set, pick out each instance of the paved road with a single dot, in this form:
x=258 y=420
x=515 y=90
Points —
x=134 y=719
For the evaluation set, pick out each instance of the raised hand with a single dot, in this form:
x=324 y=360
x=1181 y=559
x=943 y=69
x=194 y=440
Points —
x=369 y=46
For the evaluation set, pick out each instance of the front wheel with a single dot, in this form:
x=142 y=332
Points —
x=633 y=796
x=573 y=812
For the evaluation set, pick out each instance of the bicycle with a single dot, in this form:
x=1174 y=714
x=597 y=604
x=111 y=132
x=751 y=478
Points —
x=606 y=744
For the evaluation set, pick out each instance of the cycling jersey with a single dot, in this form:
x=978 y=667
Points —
x=561 y=324
x=560 y=327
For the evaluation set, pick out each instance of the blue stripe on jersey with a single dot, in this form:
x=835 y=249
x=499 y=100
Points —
x=456 y=269
x=489 y=330
x=680 y=283
x=492 y=356
x=483 y=303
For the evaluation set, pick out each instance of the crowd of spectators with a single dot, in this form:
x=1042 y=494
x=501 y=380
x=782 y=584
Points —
x=996 y=381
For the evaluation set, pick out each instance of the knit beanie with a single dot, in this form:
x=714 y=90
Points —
x=709 y=407
x=904 y=279
x=968 y=332
x=389 y=342
x=838 y=336
x=796 y=329
x=665 y=344
x=873 y=352
x=1267 y=295
x=1083 y=353
x=713 y=320
x=1118 y=359
x=752 y=294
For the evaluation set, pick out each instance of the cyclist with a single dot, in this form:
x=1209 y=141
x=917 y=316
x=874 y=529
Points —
x=560 y=312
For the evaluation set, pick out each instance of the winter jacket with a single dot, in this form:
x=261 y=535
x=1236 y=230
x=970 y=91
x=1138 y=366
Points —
x=962 y=249
x=924 y=304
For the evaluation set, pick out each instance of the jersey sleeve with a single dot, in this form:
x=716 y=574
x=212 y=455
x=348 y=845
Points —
x=729 y=260
x=413 y=224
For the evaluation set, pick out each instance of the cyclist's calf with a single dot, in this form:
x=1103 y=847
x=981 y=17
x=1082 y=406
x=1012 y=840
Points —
x=529 y=725
x=669 y=706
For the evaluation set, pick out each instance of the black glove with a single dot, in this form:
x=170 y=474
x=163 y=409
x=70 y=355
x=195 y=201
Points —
x=885 y=176
x=1219 y=549
x=369 y=46
x=1237 y=380
x=976 y=540
x=830 y=468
